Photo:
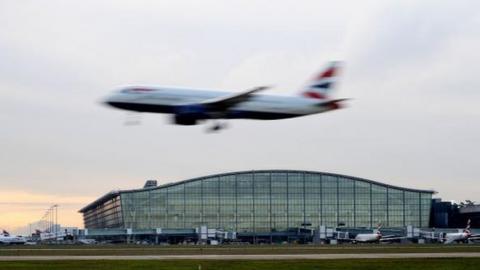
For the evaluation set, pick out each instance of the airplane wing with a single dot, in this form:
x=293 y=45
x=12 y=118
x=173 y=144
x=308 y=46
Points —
x=223 y=103
x=346 y=239
x=448 y=241
x=431 y=237
x=391 y=238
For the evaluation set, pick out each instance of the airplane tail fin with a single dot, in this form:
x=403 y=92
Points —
x=321 y=85
x=377 y=230
x=467 y=229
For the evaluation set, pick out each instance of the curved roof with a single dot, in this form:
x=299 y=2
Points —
x=112 y=194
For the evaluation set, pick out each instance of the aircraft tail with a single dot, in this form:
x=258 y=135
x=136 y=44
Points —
x=467 y=229
x=321 y=85
x=377 y=230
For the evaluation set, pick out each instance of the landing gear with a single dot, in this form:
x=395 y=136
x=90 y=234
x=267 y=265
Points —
x=217 y=126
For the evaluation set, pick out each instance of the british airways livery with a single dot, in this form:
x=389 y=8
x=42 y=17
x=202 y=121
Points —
x=7 y=239
x=189 y=106
x=464 y=236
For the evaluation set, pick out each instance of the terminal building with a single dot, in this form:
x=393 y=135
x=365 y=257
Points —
x=255 y=204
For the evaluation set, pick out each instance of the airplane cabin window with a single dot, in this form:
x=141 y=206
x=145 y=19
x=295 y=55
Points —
x=137 y=90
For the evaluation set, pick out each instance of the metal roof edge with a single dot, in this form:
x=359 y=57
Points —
x=112 y=194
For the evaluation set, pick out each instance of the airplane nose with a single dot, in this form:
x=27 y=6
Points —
x=115 y=101
x=107 y=101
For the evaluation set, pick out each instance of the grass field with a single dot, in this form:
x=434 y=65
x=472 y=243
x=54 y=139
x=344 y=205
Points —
x=193 y=250
x=357 y=264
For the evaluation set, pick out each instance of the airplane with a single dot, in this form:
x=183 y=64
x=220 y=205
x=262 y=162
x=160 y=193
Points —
x=464 y=236
x=189 y=106
x=7 y=239
x=87 y=241
x=375 y=237
x=47 y=235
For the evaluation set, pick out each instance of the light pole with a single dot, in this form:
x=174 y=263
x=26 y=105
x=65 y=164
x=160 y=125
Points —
x=56 y=221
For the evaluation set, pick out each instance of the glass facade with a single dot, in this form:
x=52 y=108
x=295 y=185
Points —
x=269 y=201
x=107 y=214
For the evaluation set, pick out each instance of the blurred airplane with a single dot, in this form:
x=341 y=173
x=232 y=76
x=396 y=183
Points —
x=7 y=239
x=375 y=237
x=189 y=106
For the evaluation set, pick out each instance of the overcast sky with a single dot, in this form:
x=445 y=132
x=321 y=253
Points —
x=411 y=67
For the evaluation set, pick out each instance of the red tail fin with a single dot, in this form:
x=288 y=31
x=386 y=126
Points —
x=322 y=84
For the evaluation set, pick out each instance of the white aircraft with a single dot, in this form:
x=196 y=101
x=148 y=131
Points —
x=87 y=241
x=7 y=239
x=461 y=236
x=47 y=235
x=375 y=237
x=189 y=106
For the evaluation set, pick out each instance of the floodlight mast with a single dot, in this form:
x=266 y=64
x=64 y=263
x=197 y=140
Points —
x=56 y=222
x=50 y=220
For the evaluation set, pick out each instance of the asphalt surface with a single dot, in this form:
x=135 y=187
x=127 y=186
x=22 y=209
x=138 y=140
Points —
x=250 y=257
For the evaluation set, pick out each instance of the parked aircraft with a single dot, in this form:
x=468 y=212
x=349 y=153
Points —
x=461 y=236
x=47 y=235
x=7 y=239
x=375 y=237
x=189 y=106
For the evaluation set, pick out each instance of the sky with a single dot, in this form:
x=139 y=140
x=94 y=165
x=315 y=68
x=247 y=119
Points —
x=410 y=69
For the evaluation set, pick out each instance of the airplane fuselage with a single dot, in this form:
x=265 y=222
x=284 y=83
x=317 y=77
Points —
x=367 y=238
x=12 y=240
x=189 y=103
x=456 y=237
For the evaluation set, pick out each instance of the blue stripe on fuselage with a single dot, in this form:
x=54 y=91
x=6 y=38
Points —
x=229 y=114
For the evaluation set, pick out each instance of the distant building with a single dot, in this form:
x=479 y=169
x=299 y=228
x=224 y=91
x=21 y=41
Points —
x=261 y=203
x=446 y=214
x=443 y=214
x=470 y=212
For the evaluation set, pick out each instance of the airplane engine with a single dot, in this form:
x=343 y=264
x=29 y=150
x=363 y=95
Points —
x=186 y=120
x=189 y=115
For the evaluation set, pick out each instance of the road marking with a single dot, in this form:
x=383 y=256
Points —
x=250 y=257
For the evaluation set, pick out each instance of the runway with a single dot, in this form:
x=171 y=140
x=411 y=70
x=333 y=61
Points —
x=249 y=257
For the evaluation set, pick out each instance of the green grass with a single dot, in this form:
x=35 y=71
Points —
x=357 y=264
x=192 y=250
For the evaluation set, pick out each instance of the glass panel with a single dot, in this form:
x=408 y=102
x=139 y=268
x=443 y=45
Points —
x=329 y=201
x=379 y=205
x=412 y=208
x=395 y=208
x=105 y=215
x=313 y=193
x=362 y=204
x=279 y=201
x=263 y=202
